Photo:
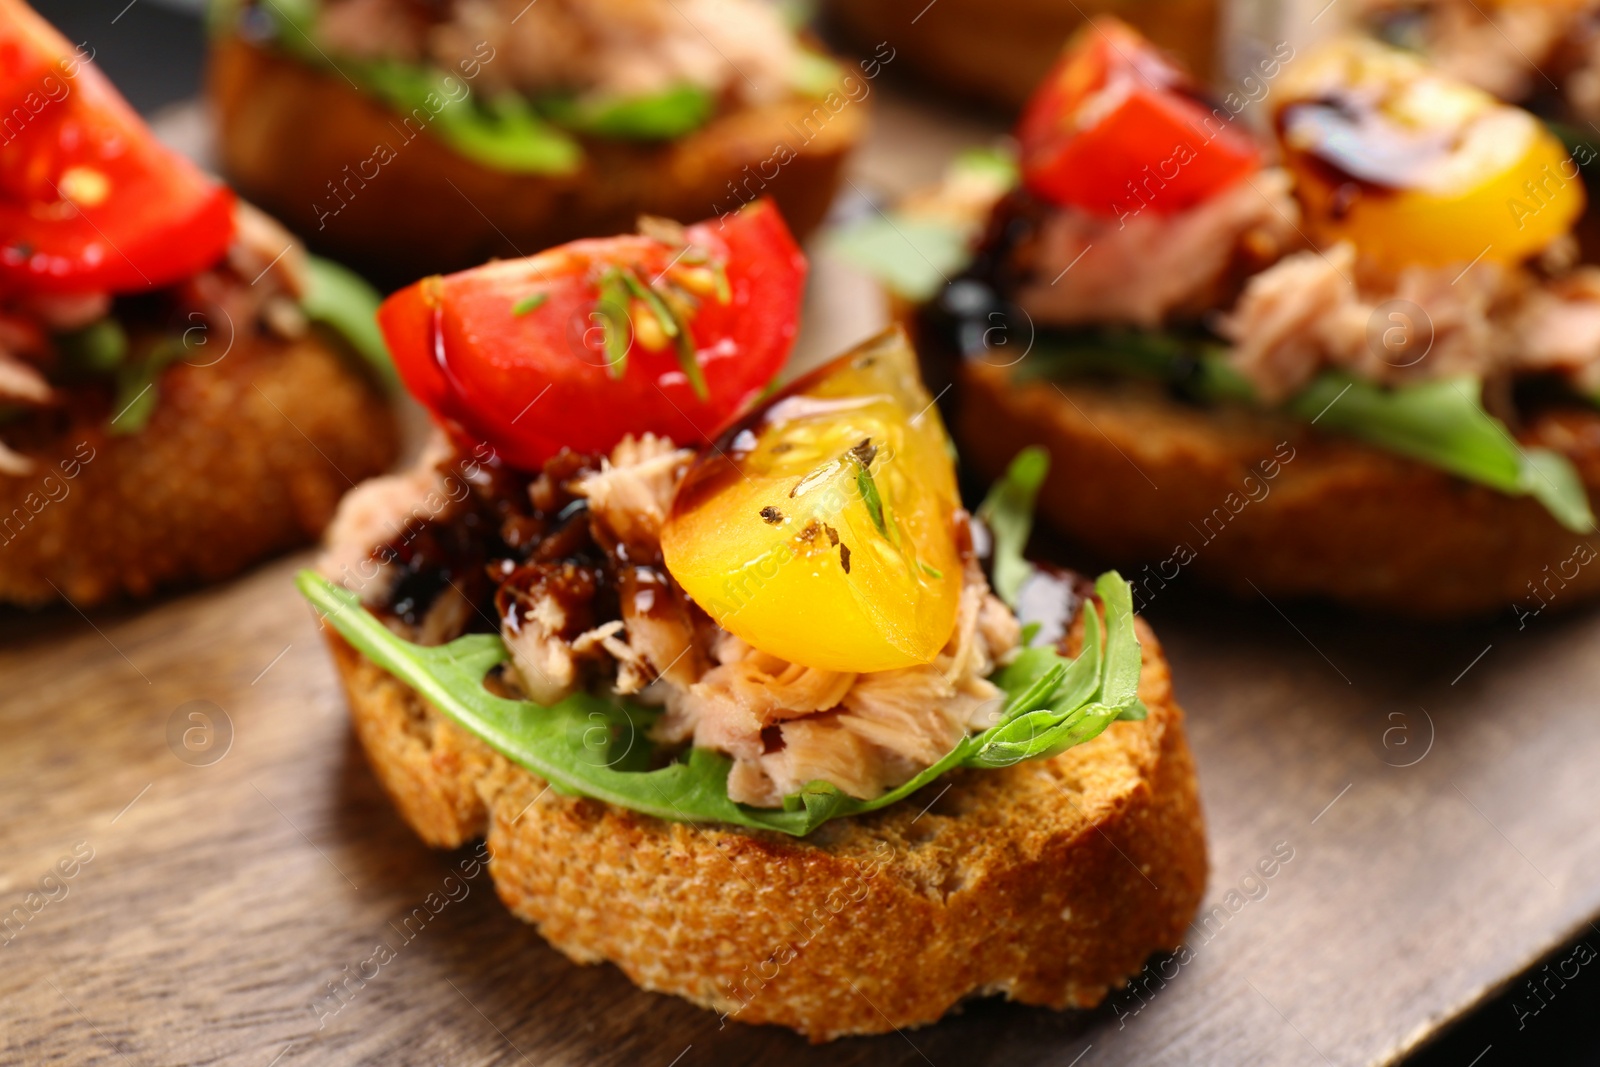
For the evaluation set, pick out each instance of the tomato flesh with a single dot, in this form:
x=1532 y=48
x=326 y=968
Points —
x=1114 y=129
x=1414 y=167
x=90 y=201
x=571 y=348
x=823 y=528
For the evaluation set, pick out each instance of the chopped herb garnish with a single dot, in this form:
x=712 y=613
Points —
x=833 y=535
x=772 y=515
x=613 y=309
x=674 y=325
x=864 y=453
x=844 y=557
x=651 y=299
x=691 y=366
x=532 y=302
x=930 y=570
x=724 y=291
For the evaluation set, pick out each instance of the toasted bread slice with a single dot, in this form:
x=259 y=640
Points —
x=300 y=143
x=999 y=50
x=241 y=459
x=1049 y=882
x=1262 y=504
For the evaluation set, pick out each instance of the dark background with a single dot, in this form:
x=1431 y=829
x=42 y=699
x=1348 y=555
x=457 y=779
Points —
x=154 y=51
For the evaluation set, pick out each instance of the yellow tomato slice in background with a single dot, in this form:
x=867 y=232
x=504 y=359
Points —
x=1415 y=167
x=823 y=529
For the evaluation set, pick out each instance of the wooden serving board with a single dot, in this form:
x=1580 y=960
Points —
x=1427 y=795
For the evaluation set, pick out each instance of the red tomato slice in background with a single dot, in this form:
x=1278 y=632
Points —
x=533 y=355
x=90 y=201
x=1115 y=127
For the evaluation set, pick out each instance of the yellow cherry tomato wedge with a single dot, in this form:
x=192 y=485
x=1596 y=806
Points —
x=1415 y=167
x=823 y=528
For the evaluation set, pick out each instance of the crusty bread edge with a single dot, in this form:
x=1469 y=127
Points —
x=241 y=459
x=1261 y=504
x=300 y=142
x=1050 y=882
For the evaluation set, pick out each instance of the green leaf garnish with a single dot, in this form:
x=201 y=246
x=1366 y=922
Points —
x=134 y=400
x=665 y=115
x=504 y=132
x=930 y=570
x=529 y=303
x=1440 y=423
x=814 y=75
x=1008 y=513
x=1444 y=424
x=341 y=300
x=1193 y=361
x=588 y=746
x=94 y=351
x=914 y=256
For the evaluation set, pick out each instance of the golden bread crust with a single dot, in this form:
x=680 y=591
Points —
x=1159 y=487
x=219 y=478
x=1000 y=51
x=1050 y=882
x=289 y=134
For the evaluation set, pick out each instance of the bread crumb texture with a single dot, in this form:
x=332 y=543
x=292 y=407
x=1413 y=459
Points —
x=241 y=459
x=1049 y=882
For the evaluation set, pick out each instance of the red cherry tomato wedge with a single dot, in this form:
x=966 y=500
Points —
x=1115 y=128
x=676 y=333
x=90 y=201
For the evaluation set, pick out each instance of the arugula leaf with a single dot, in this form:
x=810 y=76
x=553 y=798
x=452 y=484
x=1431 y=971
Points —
x=663 y=116
x=1444 y=424
x=134 y=401
x=1553 y=480
x=504 y=131
x=815 y=75
x=1008 y=513
x=1441 y=423
x=914 y=253
x=93 y=351
x=508 y=131
x=585 y=745
x=1192 y=361
x=913 y=256
x=341 y=300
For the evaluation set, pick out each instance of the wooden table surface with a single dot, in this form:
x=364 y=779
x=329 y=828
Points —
x=1435 y=789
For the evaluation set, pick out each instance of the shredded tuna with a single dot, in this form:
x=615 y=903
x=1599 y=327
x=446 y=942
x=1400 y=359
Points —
x=545 y=662
x=784 y=724
x=1507 y=49
x=1143 y=268
x=1311 y=311
x=21 y=383
x=14 y=463
x=630 y=495
x=763 y=711
x=378 y=512
x=628 y=47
